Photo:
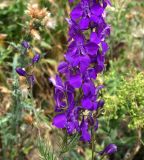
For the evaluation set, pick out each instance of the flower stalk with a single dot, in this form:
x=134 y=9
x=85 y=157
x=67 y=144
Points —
x=77 y=99
x=93 y=143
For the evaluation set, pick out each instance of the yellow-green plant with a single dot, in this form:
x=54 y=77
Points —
x=128 y=101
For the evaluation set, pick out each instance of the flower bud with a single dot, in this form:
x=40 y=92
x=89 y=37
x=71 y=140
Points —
x=21 y=71
x=109 y=149
x=25 y=44
x=31 y=80
x=36 y=58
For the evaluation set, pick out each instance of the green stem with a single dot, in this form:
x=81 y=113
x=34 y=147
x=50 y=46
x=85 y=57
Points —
x=93 y=143
x=102 y=157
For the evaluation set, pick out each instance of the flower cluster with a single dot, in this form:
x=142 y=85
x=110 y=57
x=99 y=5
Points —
x=22 y=71
x=76 y=96
x=39 y=18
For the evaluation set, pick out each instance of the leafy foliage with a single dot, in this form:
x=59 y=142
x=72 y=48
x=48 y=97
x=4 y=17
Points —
x=45 y=150
x=127 y=102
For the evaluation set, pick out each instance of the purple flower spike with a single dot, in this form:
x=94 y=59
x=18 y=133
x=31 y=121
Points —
x=21 y=71
x=109 y=149
x=36 y=58
x=76 y=95
x=25 y=44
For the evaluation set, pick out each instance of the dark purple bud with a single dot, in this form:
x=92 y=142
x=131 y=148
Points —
x=25 y=44
x=96 y=125
x=109 y=149
x=36 y=58
x=91 y=120
x=21 y=71
x=71 y=1
x=101 y=103
x=31 y=80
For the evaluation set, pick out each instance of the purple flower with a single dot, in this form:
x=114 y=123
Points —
x=25 y=44
x=59 y=93
x=29 y=75
x=109 y=149
x=86 y=13
x=79 y=52
x=63 y=93
x=75 y=81
x=85 y=135
x=74 y=28
x=60 y=121
x=73 y=120
x=21 y=71
x=63 y=67
x=76 y=96
x=88 y=88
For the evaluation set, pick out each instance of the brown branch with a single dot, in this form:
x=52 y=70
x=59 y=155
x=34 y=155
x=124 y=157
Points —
x=130 y=154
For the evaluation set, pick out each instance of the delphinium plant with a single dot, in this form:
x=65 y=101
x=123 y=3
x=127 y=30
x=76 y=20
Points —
x=78 y=104
x=19 y=119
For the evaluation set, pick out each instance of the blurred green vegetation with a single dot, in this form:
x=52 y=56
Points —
x=23 y=121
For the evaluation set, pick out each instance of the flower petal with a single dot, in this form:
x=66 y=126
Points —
x=84 y=63
x=105 y=47
x=87 y=103
x=75 y=81
x=91 y=48
x=92 y=73
x=63 y=67
x=76 y=12
x=94 y=38
x=60 y=120
x=97 y=10
x=84 y=23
